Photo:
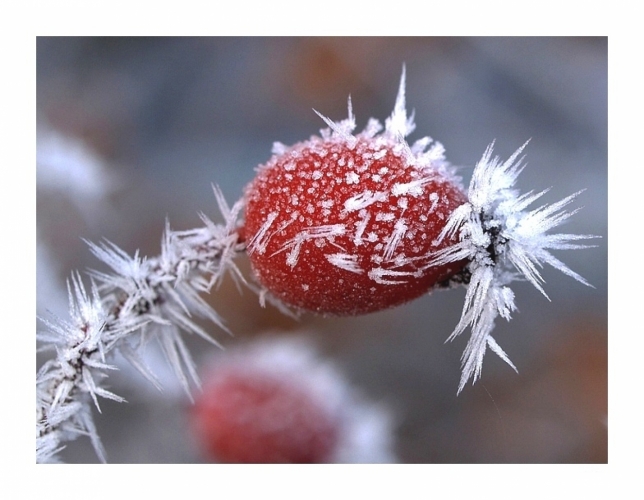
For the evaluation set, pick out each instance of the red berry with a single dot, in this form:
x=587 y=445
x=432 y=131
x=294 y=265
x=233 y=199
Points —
x=345 y=225
x=251 y=415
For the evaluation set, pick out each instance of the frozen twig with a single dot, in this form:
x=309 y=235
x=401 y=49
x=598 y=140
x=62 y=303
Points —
x=140 y=299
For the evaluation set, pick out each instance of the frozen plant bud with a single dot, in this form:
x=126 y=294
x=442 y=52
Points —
x=346 y=224
x=275 y=402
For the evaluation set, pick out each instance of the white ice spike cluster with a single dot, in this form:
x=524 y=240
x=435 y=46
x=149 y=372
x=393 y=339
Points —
x=141 y=299
x=502 y=243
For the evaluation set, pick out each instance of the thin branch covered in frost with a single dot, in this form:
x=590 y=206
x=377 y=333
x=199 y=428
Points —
x=502 y=243
x=140 y=299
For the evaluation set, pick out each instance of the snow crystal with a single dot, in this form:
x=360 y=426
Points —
x=361 y=225
x=385 y=216
x=363 y=200
x=259 y=241
x=395 y=238
x=433 y=197
x=279 y=148
x=345 y=261
x=414 y=188
x=380 y=275
x=352 y=178
x=312 y=233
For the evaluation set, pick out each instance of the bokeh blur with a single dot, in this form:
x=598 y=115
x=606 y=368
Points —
x=170 y=116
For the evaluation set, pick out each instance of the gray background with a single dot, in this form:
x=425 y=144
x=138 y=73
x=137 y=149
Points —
x=173 y=115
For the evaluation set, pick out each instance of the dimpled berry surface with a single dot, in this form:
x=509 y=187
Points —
x=347 y=227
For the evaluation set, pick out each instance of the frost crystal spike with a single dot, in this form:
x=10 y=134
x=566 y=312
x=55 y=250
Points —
x=499 y=238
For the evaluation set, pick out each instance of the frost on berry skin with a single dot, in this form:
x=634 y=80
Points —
x=346 y=224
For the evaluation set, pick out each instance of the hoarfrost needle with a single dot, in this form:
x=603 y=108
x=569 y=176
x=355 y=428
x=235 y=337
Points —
x=501 y=242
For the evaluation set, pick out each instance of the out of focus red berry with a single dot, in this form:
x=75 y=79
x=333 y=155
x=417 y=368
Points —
x=254 y=416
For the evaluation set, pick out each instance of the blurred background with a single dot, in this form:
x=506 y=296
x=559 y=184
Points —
x=160 y=119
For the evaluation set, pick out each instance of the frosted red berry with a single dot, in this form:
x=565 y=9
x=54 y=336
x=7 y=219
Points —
x=250 y=415
x=347 y=224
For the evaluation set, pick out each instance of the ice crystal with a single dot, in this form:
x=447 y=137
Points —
x=502 y=242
